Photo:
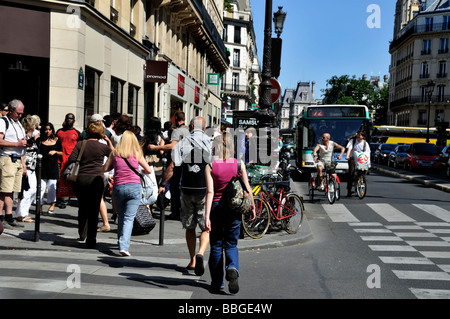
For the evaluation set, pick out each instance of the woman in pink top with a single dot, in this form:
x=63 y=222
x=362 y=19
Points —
x=127 y=190
x=222 y=223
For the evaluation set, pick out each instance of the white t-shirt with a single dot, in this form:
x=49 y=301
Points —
x=14 y=133
x=359 y=147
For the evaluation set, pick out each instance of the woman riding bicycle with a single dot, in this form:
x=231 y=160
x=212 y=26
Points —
x=326 y=150
x=355 y=144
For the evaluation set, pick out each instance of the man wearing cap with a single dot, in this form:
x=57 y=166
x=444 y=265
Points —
x=13 y=144
x=95 y=118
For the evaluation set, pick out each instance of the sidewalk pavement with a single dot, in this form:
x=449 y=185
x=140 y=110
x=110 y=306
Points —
x=59 y=231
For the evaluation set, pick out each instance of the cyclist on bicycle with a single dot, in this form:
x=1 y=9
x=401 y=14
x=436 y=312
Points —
x=355 y=144
x=326 y=150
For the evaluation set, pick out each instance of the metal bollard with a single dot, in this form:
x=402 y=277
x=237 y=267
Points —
x=162 y=214
x=37 y=218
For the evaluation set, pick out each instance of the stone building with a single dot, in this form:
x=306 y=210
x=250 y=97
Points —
x=419 y=54
x=241 y=81
x=137 y=57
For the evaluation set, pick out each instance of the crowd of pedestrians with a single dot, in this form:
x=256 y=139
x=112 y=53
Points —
x=112 y=151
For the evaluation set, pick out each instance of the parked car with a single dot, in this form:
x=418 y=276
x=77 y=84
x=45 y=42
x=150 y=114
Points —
x=397 y=156
x=373 y=148
x=382 y=153
x=445 y=160
x=422 y=155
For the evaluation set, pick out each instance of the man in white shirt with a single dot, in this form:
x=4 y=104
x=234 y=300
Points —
x=13 y=144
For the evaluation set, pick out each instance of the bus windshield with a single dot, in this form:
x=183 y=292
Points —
x=340 y=130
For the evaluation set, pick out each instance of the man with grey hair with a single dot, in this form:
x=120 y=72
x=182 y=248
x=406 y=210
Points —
x=192 y=154
x=13 y=144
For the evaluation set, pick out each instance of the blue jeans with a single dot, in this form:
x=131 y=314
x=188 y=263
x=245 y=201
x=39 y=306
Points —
x=127 y=198
x=225 y=229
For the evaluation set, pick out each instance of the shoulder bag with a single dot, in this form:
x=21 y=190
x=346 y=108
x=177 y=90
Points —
x=238 y=196
x=149 y=185
x=71 y=172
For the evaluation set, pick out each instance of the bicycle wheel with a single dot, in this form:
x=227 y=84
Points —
x=361 y=187
x=331 y=190
x=291 y=213
x=337 y=188
x=259 y=226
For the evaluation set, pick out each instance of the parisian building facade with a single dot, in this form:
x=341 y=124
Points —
x=293 y=101
x=241 y=81
x=137 y=57
x=420 y=54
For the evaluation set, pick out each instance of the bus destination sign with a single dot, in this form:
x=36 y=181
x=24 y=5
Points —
x=336 y=112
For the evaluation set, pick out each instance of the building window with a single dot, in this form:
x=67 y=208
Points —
x=440 y=93
x=439 y=116
x=116 y=96
x=132 y=103
x=236 y=57
x=114 y=14
x=428 y=24
x=237 y=34
x=424 y=71
x=443 y=45
x=426 y=47
x=442 y=69
x=235 y=82
x=225 y=33
x=422 y=119
x=446 y=23
x=91 y=93
x=423 y=94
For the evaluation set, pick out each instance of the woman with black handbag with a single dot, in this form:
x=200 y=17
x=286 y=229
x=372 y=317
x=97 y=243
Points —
x=127 y=189
x=89 y=184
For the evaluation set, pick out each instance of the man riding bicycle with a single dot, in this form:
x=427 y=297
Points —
x=326 y=150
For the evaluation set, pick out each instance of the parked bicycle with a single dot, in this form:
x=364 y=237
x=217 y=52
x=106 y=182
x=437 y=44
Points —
x=331 y=184
x=274 y=205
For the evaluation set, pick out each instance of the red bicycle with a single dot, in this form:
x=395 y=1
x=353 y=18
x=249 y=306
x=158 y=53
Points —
x=272 y=207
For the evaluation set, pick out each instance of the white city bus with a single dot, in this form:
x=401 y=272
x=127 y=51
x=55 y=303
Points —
x=340 y=121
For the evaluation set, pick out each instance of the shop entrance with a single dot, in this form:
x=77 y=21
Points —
x=25 y=78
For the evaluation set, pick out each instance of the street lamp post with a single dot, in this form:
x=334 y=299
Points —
x=278 y=21
x=265 y=114
x=430 y=89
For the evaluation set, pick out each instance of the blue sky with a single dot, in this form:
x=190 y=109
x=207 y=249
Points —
x=323 y=38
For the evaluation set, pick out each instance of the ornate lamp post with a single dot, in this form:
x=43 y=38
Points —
x=429 y=89
x=265 y=114
x=278 y=21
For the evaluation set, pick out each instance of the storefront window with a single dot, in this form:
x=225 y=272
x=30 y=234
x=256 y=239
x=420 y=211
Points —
x=116 y=96
x=91 y=93
x=132 y=103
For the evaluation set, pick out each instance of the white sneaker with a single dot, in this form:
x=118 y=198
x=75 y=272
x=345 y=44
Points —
x=125 y=253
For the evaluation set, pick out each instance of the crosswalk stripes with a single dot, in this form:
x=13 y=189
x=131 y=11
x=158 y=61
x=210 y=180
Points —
x=30 y=274
x=417 y=251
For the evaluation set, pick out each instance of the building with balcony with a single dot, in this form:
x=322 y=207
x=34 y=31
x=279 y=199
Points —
x=293 y=101
x=142 y=58
x=240 y=83
x=419 y=53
